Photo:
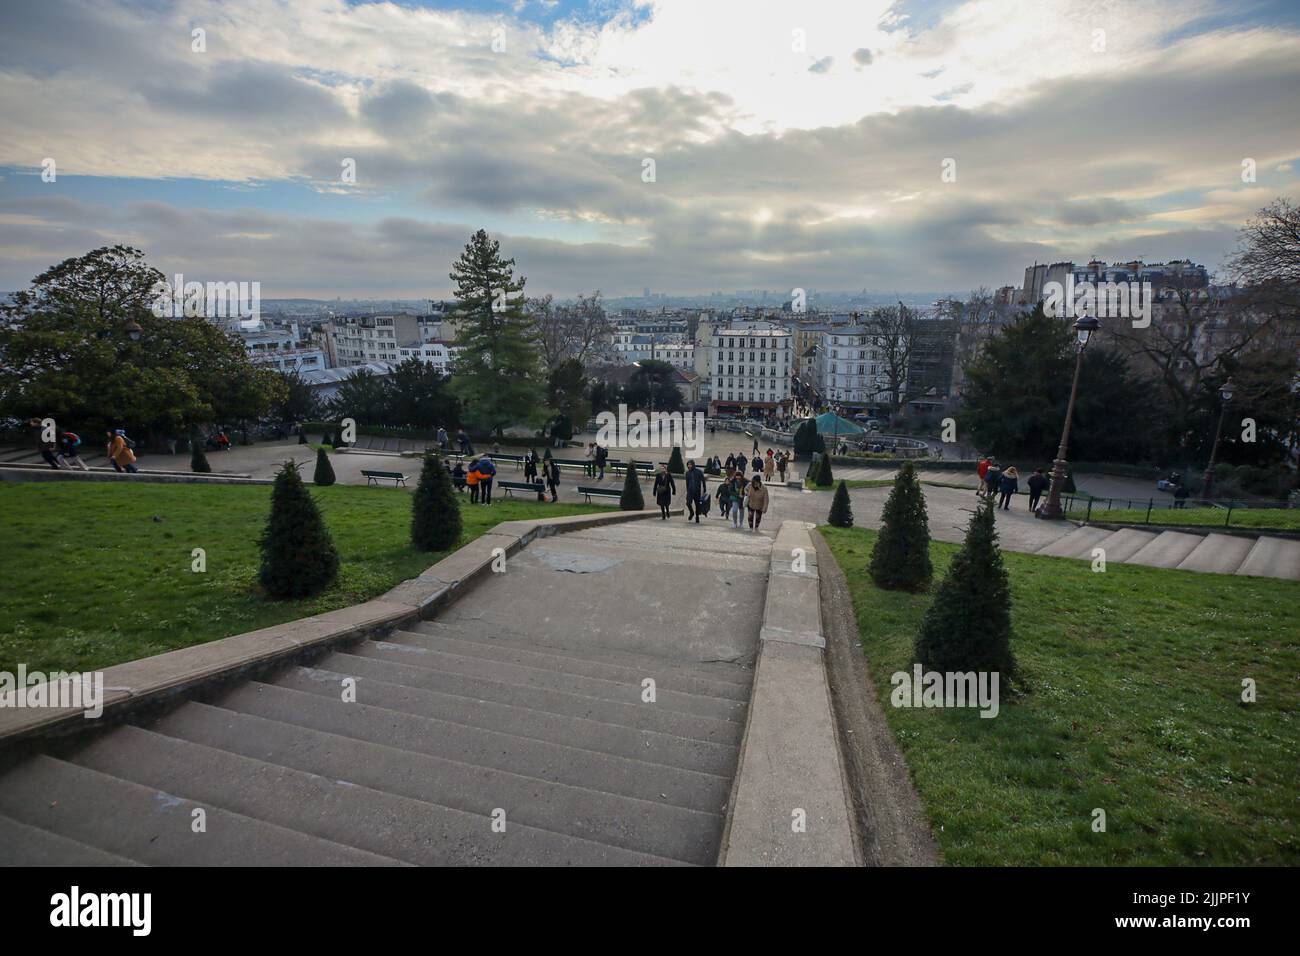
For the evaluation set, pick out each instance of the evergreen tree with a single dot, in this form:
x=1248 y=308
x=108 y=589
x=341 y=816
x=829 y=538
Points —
x=675 y=464
x=337 y=440
x=805 y=439
x=435 y=515
x=900 y=560
x=968 y=625
x=825 y=477
x=498 y=371
x=198 y=460
x=841 y=515
x=324 y=470
x=631 y=499
x=298 y=556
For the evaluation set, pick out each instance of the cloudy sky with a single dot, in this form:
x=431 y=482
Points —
x=796 y=143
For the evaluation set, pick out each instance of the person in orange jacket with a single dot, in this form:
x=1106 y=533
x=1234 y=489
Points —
x=120 y=453
x=472 y=478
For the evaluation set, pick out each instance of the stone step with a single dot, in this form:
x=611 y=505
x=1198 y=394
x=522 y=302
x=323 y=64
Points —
x=496 y=640
x=628 y=691
x=1273 y=558
x=654 y=747
x=558 y=763
x=631 y=823
x=1075 y=544
x=1218 y=554
x=335 y=809
x=1125 y=543
x=31 y=846
x=550 y=700
x=150 y=825
x=1167 y=550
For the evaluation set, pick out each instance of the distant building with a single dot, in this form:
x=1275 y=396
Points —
x=751 y=370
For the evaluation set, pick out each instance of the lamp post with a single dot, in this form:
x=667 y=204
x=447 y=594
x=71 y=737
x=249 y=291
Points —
x=1225 y=393
x=1084 y=326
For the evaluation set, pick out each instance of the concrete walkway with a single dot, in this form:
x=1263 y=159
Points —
x=587 y=705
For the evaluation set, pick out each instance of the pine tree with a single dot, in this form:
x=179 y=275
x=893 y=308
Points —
x=805 y=439
x=841 y=515
x=435 y=515
x=675 y=464
x=498 y=371
x=198 y=460
x=825 y=477
x=298 y=556
x=631 y=499
x=900 y=560
x=968 y=625
x=324 y=470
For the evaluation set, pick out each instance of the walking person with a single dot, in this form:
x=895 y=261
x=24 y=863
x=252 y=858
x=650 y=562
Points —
x=1008 y=484
x=769 y=466
x=983 y=471
x=553 y=479
x=442 y=438
x=69 y=457
x=992 y=479
x=757 y=464
x=46 y=448
x=602 y=456
x=486 y=471
x=756 y=503
x=695 y=485
x=730 y=464
x=463 y=441
x=530 y=465
x=1037 y=485
x=664 y=490
x=737 y=493
x=591 y=459
x=119 y=452
x=782 y=459
x=724 y=496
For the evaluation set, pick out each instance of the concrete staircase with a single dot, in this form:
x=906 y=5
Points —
x=1212 y=552
x=523 y=697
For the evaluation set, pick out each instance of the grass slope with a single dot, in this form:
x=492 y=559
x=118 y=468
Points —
x=90 y=579
x=1277 y=519
x=1132 y=704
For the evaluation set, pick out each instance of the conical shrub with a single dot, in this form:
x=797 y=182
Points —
x=900 y=560
x=968 y=625
x=324 y=474
x=435 y=515
x=631 y=499
x=841 y=515
x=298 y=556
x=825 y=477
x=198 y=460
x=675 y=464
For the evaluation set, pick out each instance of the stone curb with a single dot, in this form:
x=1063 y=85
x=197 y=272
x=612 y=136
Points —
x=150 y=680
x=45 y=473
x=790 y=759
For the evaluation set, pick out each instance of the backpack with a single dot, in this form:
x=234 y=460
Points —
x=129 y=442
x=72 y=438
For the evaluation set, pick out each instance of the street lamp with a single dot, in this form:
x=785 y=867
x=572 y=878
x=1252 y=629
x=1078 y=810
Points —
x=1225 y=393
x=1084 y=326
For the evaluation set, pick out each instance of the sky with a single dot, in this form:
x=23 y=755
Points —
x=682 y=145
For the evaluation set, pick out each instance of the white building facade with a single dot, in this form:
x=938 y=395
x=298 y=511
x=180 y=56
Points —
x=751 y=369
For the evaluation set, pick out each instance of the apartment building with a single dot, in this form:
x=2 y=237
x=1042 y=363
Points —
x=751 y=370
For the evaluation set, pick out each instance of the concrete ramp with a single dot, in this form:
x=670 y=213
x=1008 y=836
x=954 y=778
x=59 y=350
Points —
x=1217 y=553
x=1273 y=558
x=1167 y=550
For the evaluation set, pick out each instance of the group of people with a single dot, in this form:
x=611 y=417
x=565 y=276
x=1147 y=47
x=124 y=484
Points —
x=63 y=451
x=736 y=495
x=999 y=484
x=549 y=472
x=477 y=477
x=597 y=458
x=773 y=463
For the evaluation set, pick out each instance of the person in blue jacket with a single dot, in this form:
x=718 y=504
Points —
x=1008 y=484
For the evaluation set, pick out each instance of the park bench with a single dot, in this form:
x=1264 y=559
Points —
x=533 y=486
x=595 y=491
x=396 y=477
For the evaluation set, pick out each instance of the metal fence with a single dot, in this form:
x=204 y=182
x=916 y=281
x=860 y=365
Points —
x=1096 y=508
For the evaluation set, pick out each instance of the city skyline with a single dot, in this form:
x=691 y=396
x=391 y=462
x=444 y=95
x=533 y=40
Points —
x=791 y=149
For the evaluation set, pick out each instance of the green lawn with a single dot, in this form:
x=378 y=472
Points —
x=91 y=579
x=1131 y=703
x=1277 y=519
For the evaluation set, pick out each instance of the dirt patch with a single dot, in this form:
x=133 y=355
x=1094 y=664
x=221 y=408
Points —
x=890 y=819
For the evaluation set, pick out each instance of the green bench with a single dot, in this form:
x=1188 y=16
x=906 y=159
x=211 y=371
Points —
x=533 y=486
x=595 y=491
x=396 y=477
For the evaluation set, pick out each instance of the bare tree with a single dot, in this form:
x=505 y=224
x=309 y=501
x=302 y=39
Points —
x=894 y=331
x=568 y=331
x=1268 y=252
